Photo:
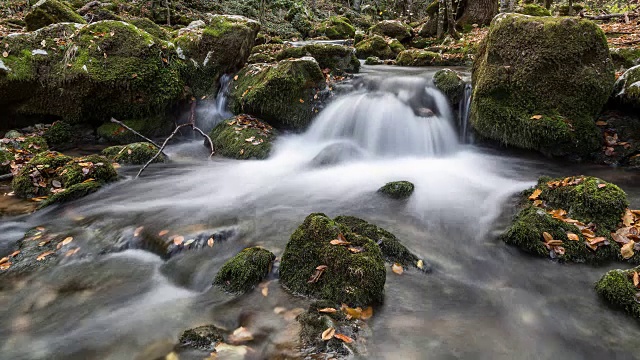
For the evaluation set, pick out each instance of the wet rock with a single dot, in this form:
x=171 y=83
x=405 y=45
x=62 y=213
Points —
x=337 y=58
x=373 y=60
x=335 y=28
x=627 y=88
x=532 y=91
x=73 y=192
x=415 y=57
x=450 y=83
x=170 y=245
x=616 y=287
x=136 y=154
x=150 y=127
x=245 y=270
x=534 y=10
x=204 y=338
x=243 y=137
x=312 y=266
x=397 y=189
x=626 y=57
x=46 y=12
x=374 y=46
x=392 y=28
x=587 y=207
x=26 y=144
x=221 y=46
x=337 y=153
x=59 y=136
x=283 y=94
x=396 y=46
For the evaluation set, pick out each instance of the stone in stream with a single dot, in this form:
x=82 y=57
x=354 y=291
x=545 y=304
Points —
x=150 y=127
x=376 y=46
x=451 y=85
x=46 y=12
x=59 y=136
x=337 y=58
x=394 y=29
x=534 y=90
x=575 y=219
x=352 y=273
x=373 y=60
x=245 y=270
x=397 y=189
x=627 y=88
x=617 y=288
x=417 y=57
x=203 y=338
x=337 y=153
x=136 y=154
x=243 y=137
x=335 y=28
x=284 y=94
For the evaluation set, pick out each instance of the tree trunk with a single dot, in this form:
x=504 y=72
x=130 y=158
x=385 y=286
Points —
x=451 y=20
x=479 y=12
x=570 y=8
x=441 y=19
x=547 y=4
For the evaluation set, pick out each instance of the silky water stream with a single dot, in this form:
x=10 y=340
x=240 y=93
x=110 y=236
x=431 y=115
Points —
x=483 y=299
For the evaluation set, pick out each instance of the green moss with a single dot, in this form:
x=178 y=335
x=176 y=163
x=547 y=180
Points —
x=136 y=153
x=373 y=60
x=415 y=57
x=59 y=136
x=245 y=270
x=374 y=46
x=392 y=28
x=31 y=144
x=203 y=338
x=450 y=83
x=46 y=12
x=525 y=67
x=351 y=278
x=71 y=193
x=397 y=189
x=149 y=127
x=88 y=167
x=616 y=287
x=585 y=202
x=6 y=157
x=43 y=167
x=281 y=94
x=335 y=57
x=534 y=10
x=626 y=57
x=392 y=250
x=313 y=323
x=150 y=27
x=336 y=28
x=396 y=46
x=230 y=138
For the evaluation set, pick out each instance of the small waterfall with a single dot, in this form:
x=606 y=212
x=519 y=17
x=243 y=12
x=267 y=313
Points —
x=464 y=112
x=212 y=114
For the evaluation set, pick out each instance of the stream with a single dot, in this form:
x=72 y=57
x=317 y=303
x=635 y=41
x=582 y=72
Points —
x=483 y=299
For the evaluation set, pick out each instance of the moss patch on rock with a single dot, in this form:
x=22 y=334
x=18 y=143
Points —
x=204 y=338
x=627 y=88
x=397 y=189
x=616 y=287
x=149 y=127
x=243 y=137
x=626 y=57
x=71 y=193
x=584 y=203
x=245 y=270
x=450 y=83
x=392 y=28
x=373 y=60
x=59 y=136
x=416 y=57
x=337 y=58
x=374 y=46
x=6 y=157
x=136 y=154
x=534 y=10
x=336 y=28
x=281 y=94
x=535 y=90
x=46 y=12
x=312 y=266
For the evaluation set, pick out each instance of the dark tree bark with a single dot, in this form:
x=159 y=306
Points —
x=479 y=12
x=547 y=4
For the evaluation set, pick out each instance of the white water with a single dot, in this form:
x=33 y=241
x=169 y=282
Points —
x=213 y=113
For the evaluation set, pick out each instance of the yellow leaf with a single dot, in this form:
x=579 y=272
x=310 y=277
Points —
x=572 y=237
x=328 y=334
x=327 y=310
x=420 y=264
x=44 y=255
x=536 y=117
x=627 y=219
x=163 y=232
x=397 y=268
x=537 y=203
x=627 y=250
x=352 y=313
x=265 y=291
x=301 y=101
x=535 y=194
x=367 y=313
x=547 y=237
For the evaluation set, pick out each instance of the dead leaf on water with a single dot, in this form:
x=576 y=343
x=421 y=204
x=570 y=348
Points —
x=328 y=334
x=44 y=255
x=397 y=268
x=163 y=232
x=67 y=240
x=327 y=310
x=344 y=338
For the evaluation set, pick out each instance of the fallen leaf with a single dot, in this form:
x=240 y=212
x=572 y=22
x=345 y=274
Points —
x=210 y=242
x=5 y=54
x=397 y=268
x=627 y=218
x=535 y=194
x=627 y=250
x=14 y=254
x=344 y=338
x=327 y=310
x=588 y=233
x=5 y=266
x=163 y=232
x=240 y=335
x=573 y=237
x=301 y=101
x=44 y=255
x=600 y=186
x=355 y=250
x=67 y=240
x=138 y=231
x=177 y=240
x=352 y=313
x=601 y=123
x=235 y=77
x=328 y=334
x=339 y=242
x=4 y=260
x=367 y=313
x=71 y=252
x=420 y=264
x=636 y=279
x=536 y=117
x=537 y=203
x=265 y=291
x=547 y=237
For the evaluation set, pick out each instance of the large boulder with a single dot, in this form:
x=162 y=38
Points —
x=416 y=57
x=312 y=265
x=243 y=137
x=450 y=83
x=218 y=46
x=533 y=89
x=376 y=46
x=392 y=28
x=335 y=28
x=627 y=88
x=283 y=94
x=47 y=12
x=337 y=58
x=88 y=73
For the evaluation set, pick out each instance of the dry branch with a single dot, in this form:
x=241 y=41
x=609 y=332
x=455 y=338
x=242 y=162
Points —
x=611 y=16
x=133 y=131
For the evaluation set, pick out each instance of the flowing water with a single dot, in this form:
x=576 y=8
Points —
x=483 y=300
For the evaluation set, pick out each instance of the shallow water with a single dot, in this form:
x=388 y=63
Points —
x=484 y=299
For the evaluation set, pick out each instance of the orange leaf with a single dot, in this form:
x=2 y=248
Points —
x=547 y=237
x=536 y=117
x=301 y=101
x=600 y=186
x=627 y=218
x=572 y=237
x=178 y=240
x=367 y=313
x=352 y=313
x=339 y=242
x=327 y=310
x=636 y=279
x=163 y=232
x=328 y=334
x=535 y=194
x=44 y=255
x=627 y=250
x=344 y=338
x=67 y=240
x=397 y=268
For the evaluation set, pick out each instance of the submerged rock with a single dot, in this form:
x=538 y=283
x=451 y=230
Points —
x=338 y=153
x=416 y=57
x=245 y=270
x=627 y=88
x=376 y=46
x=243 y=137
x=59 y=136
x=579 y=214
x=618 y=289
x=397 y=189
x=204 y=338
x=535 y=90
x=135 y=154
x=47 y=12
x=312 y=266
x=392 y=28
x=450 y=83
x=281 y=94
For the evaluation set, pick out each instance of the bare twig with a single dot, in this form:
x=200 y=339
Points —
x=612 y=16
x=213 y=151
x=161 y=148
x=133 y=131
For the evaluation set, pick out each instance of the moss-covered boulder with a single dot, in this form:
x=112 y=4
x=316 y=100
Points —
x=617 y=288
x=335 y=28
x=149 y=26
x=221 y=46
x=396 y=46
x=392 y=249
x=373 y=60
x=429 y=28
x=535 y=90
x=392 y=28
x=374 y=46
x=397 y=189
x=89 y=73
x=534 y=10
x=136 y=154
x=59 y=136
x=71 y=193
x=450 y=83
x=283 y=94
x=244 y=271
x=337 y=58
x=578 y=215
x=627 y=88
x=51 y=172
x=416 y=57
x=352 y=273
x=150 y=127
x=26 y=144
x=626 y=57
x=243 y=137
x=46 y=12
